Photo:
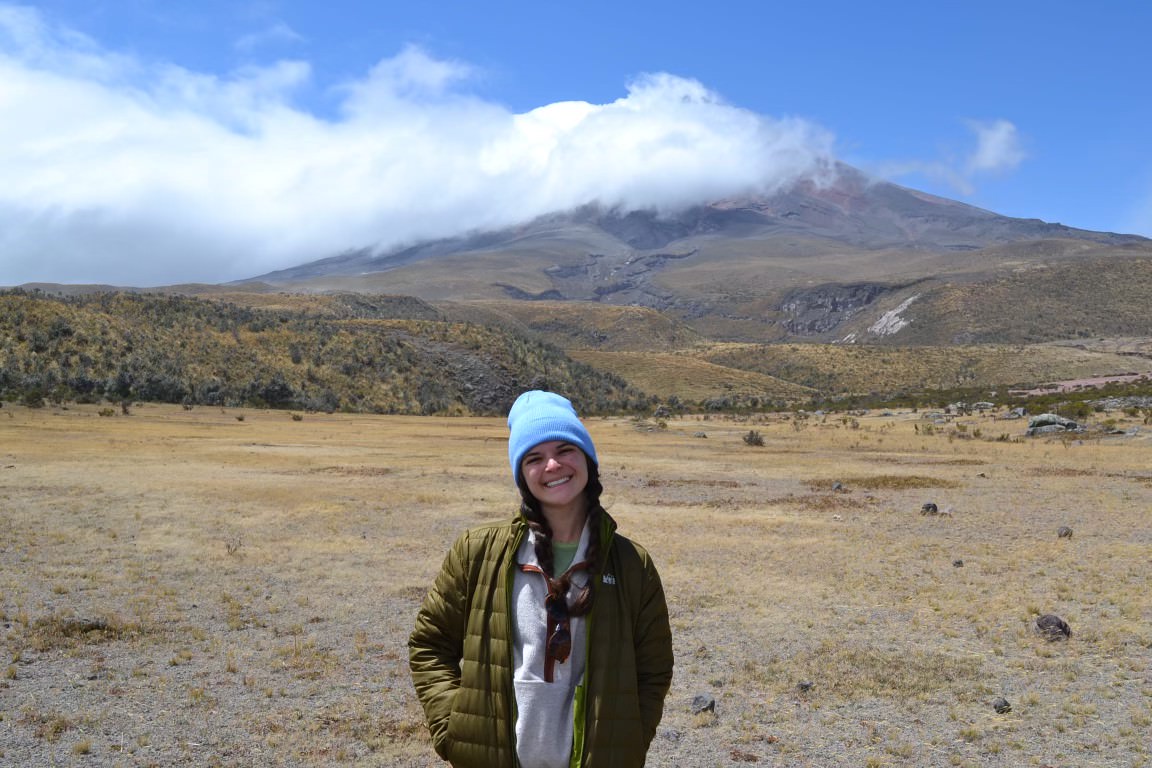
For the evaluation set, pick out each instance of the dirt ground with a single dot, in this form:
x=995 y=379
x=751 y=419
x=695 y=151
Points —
x=236 y=588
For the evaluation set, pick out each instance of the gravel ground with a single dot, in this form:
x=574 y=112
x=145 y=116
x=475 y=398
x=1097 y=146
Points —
x=194 y=596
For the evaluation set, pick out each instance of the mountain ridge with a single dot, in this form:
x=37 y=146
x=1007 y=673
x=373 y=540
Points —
x=821 y=262
x=853 y=260
x=854 y=211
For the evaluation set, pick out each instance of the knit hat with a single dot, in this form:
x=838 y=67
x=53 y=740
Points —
x=539 y=417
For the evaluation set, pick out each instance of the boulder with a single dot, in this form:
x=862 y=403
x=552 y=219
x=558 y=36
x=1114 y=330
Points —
x=1047 y=429
x=1052 y=628
x=1047 y=423
x=703 y=702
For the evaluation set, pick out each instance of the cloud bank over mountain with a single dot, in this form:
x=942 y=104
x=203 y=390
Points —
x=137 y=172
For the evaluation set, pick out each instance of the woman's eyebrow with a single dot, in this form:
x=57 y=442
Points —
x=536 y=454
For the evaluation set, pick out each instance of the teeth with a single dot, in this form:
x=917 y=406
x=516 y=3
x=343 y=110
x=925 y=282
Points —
x=555 y=483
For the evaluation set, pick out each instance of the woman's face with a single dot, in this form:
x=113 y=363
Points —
x=556 y=474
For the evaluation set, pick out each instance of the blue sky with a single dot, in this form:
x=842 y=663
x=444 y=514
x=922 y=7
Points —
x=146 y=142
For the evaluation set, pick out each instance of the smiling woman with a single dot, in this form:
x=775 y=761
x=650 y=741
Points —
x=545 y=639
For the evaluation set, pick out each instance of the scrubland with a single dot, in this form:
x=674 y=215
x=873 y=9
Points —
x=235 y=587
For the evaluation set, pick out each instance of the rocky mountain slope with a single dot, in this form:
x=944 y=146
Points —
x=852 y=260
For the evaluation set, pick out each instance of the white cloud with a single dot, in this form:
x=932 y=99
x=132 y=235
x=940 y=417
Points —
x=412 y=74
x=998 y=147
x=26 y=37
x=124 y=173
x=278 y=33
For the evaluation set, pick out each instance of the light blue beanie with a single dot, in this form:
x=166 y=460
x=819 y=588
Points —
x=539 y=417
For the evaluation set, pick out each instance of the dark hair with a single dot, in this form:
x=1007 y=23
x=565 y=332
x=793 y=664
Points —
x=534 y=515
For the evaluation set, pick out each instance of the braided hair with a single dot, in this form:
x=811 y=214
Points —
x=542 y=534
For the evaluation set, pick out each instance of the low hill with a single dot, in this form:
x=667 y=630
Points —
x=387 y=354
x=350 y=352
x=582 y=325
x=691 y=378
x=1090 y=296
x=857 y=370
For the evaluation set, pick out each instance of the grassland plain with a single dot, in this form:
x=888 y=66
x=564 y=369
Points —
x=208 y=587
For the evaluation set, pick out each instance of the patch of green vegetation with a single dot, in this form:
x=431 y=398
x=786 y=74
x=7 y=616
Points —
x=396 y=354
x=347 y=353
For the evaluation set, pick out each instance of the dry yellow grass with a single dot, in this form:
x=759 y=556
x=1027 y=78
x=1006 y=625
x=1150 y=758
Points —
x=574 y=325
x=863 y=369
x=186 y=588
x=687 y=377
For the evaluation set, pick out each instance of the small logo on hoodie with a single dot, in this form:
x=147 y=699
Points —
x=609 y=579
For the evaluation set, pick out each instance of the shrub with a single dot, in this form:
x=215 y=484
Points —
x=753 y=438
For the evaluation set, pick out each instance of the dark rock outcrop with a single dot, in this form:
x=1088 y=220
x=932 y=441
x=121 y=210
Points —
x=814 y=311
x=1053 y=628
x=703 y=702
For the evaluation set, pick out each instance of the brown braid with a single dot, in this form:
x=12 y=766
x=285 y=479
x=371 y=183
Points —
x=534 y=516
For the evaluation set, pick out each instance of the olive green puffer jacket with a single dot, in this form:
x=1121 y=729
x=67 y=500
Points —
x=461 y=656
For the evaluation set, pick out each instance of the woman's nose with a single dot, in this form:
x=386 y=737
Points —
x=551 y=464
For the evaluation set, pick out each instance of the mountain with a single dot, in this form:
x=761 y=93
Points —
x=851 y=260
x=893 y=292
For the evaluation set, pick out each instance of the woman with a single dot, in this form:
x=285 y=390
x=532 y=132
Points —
x=544 y=642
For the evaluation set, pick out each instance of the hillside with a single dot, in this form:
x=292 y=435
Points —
x=854 y=260
x=855 y=288
x=855 y=370
x=813 y=263
x=693 y=379
x=349 y=353
x=387 y=354
x=578 y=325
x=1091 y=296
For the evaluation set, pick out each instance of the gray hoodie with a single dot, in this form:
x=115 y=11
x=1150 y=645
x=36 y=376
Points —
x=544 y=711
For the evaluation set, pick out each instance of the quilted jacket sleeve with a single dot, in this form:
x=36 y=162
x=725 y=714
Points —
x=437 y=643
x=654 y=658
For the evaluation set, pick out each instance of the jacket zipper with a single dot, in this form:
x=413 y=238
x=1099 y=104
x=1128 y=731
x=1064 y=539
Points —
x=509 y=578
x=579 y=707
